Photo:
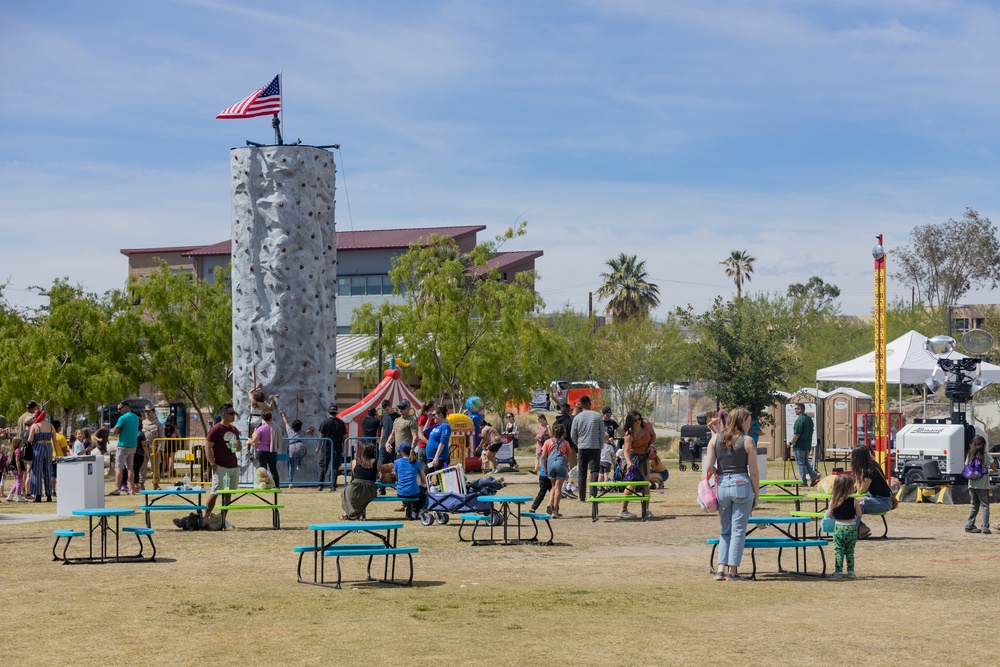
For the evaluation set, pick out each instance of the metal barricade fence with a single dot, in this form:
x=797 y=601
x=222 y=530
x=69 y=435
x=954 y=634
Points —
x=172 y=458
x=304 y=470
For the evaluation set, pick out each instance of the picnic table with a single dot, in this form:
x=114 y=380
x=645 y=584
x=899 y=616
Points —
x=180 y=500
x=102 y=514
x=789 y=486
x=790 y=538
x=385 y=534
x=501 y=507
x=602 y=493
x=262 y=503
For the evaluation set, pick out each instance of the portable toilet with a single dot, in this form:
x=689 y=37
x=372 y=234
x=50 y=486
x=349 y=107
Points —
x=772 y=435
x=840 y=406
x=814 y=401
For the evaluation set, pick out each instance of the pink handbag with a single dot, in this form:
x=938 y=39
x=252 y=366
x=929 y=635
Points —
x=708 y=501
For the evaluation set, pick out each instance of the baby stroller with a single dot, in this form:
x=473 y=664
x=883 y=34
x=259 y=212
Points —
x=694 y=438
x=448 y=493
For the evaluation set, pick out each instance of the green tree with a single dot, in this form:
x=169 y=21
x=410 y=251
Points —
x=86 y=348
x=462 y=328
x=816 y=293
x=77 y=352
x=628 y=288
x=739 y=267
x=632 y=356
x=944 y=261
x=743 y=354
x=186 y=336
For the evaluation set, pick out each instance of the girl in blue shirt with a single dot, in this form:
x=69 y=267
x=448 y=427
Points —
x=410 y=480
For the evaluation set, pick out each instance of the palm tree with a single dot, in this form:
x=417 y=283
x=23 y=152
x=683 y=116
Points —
x=628 y=288
x=739 y=267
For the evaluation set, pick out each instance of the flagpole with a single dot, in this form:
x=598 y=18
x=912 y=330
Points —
x=281 y=91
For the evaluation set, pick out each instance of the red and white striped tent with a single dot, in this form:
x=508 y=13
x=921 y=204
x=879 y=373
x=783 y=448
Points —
x=391 y=388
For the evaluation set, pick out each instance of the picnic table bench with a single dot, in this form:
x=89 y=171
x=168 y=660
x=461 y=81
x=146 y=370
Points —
x=604 y=493
x=185 y=500
x=779 y=543
x=233 y=495
x=383 y=546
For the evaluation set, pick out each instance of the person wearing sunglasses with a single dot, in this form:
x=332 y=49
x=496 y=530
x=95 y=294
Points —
x=223 y=441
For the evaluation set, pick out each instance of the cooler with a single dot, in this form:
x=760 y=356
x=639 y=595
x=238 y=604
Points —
x=81 y=484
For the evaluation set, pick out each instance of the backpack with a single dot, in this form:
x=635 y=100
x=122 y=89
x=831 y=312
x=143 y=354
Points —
x=27 y=453
x=973 y=469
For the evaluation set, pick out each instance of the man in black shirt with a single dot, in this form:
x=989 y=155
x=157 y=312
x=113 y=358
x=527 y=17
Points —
x=334 y=430
x=370 y=426
x=566 y=419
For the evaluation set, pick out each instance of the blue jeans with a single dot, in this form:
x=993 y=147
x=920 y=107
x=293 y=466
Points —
x=875 y=504
x=735 y=493
x=805 y=468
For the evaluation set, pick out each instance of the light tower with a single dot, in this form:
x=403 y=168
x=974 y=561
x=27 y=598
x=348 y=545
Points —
x=881 y=431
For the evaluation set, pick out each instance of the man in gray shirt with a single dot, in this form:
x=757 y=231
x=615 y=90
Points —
x=588 y=433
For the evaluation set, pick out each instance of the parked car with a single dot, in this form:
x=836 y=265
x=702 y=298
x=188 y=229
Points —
x=585 y=388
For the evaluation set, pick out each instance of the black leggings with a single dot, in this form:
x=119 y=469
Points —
x=544 y=486
x=269 y=460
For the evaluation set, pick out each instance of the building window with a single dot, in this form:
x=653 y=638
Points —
x=960 y=324
x=980 y=321
x=364 y=285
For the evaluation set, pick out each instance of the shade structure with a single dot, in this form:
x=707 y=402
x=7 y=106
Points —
x=391 y=388
x=906 y=363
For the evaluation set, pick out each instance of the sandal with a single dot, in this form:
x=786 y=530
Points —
x=737 y=577
x=720 y=576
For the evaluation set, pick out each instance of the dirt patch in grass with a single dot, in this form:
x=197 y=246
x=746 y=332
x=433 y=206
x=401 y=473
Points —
x=610 y=592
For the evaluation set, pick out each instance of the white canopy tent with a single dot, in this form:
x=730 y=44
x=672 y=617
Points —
x=906 y=362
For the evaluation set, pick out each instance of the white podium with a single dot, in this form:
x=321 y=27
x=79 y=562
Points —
x=81 y=484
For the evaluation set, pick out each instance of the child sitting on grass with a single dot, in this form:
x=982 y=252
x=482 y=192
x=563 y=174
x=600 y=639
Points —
x=845 y=510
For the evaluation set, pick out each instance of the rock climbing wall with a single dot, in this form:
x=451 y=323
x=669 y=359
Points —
x=284 y=280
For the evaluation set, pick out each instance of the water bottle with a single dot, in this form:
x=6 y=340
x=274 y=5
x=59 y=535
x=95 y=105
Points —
x=187 y=481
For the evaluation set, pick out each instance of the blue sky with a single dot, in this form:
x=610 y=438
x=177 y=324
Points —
x=677 y=131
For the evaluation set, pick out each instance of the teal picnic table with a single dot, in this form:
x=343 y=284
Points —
x=506 y=513
x=102 y=514
x=179 y=500
x=791 y=538
x=385 y=534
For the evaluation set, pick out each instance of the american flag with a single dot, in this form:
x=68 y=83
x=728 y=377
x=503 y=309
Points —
x=261 y=102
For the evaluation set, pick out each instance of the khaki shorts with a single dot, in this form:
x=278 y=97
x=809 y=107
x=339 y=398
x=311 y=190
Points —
x=225 y=478
x=124 y=457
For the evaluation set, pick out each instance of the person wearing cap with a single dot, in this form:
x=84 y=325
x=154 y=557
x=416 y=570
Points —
x=127 y=429
x=153 y=430
x=410 y=480
x=610 y=425
x=405 y=428
x=222 y=443
x=331 y=448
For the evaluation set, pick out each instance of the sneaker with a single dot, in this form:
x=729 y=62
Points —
x=649 y=513
x=972 y=529
x=851 y=575
x=557 y=515
x=116 y=492
x=625 y=514
x=986 y=531
x=22 y=499
x=836 y=575
x=548 y=509
x=319 y=488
